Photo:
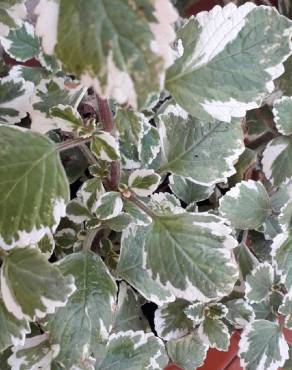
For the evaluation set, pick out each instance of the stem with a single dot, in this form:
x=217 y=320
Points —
x=142 y=206
x=106 y=118
x=3 y=254
x=88 y=154
x=105 y=115
x=87 y=243
x=72 y=143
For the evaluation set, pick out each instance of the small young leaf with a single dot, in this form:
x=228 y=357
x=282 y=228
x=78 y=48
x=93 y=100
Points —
x=139 y=217
x=68 y=118
x=143 y=182
x=130 y=267
x=228 y=66
x=108 y=206
x=134 y=350
x=33 y=187
x=262 y=346
x=37 y=353
x=90 y=192
x=214 y=333
x=21 y=43
x=77 y=212
x=170 y=320
x=31 y=287
x=282 y=115
x=246 y=205
x=130 y=128
x=12 y=331
x=47 y=245
x=188 y=352
x=105 y=147
x=89 y=314
x=198 y=150
x=119 y=223
x=259 y=283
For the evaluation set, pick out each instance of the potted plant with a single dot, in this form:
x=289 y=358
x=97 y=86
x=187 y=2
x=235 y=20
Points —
x=145 y=185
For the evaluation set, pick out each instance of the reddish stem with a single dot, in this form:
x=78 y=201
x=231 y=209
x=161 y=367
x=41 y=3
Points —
x=107 y=121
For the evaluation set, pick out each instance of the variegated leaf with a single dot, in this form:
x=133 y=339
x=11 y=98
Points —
x=198 y=150
x=125 y=65
x=31 y=287
x=228 y=65
x=262 y=346
x=33 y=187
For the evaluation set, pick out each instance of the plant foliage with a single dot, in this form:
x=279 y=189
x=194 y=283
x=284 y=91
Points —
x=144 y=158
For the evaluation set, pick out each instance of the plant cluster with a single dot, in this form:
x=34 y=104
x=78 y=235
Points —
x=145 y=163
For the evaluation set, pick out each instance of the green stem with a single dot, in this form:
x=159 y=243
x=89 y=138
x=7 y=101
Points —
x=72 y=143
x=87 y=243
x=3 y=254
x=142 y=206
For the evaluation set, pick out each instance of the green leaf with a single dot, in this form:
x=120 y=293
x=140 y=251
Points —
x=49 y=94
x=31 y=287
x=37 y=353
x=262 y=346
x=171 y=321
x=33 y=187
x=259 y=283
x=132 y=69
x=21 y=43
x=88 y=316
x=286 y=310
x=277 y=160
x=105 y=147
x=196 y=312
x=188 y=191
x=198 y=150
x=190 y=255
x=143 y=182
x=130 y=267
x=282 y=115
x=12 y=13
x=228 y=65
x=282 y=258
x=240 y=313
x=246 y=205
x=15 y=95
x=188 y=352
x=129 y=315
x=12 y=331
x=129 y=350
x=108 y=206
